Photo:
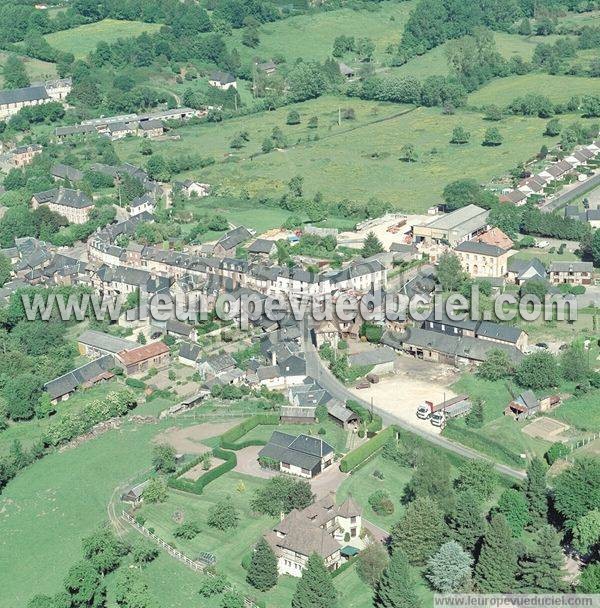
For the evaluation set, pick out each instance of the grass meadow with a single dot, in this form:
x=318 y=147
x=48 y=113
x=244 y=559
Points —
x=83 y=39
x=358 y=160
x=311 y=36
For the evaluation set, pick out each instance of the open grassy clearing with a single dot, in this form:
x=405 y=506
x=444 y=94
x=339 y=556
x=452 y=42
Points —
x=311 y=36
x=83 y=39
x=502 y=91
x=36 y=70
x=49 y=507
x=544 y=255
x=581 y=412
x=435 y=63
x=359 y=159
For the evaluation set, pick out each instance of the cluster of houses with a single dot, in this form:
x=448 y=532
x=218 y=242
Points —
x=13 y=100
x=536 y=184
x=150 y=124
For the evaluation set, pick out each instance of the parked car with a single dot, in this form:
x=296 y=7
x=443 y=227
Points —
x=363 y=384
x=543 y=345
x=542 y=244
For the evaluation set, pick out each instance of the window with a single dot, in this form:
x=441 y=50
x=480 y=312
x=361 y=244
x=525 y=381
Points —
x=353 y=520
x=353 y=532
x=285 y=465
x=305 y=472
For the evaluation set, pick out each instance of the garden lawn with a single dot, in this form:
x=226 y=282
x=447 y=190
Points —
x=501 y=436
x=502 y=91
x=83 y=39
x=358 y=160
x=361 y=484
x=581 y=412
x=335 y=435
x=311 y=36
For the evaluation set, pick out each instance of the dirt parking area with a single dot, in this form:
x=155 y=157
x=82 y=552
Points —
x=546 y=428
x=188 y=440
x=247 y=463
x=413 y=382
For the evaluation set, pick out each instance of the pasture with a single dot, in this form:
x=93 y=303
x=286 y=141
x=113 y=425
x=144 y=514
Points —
x=311 y=36
x=83 y=39
x=36 y=70
x=359 y=159
x=502 y=91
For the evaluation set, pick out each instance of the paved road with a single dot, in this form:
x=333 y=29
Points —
x=567 y=197
x=316 y=368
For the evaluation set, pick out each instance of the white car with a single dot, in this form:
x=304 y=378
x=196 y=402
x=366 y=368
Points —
x=542 y=244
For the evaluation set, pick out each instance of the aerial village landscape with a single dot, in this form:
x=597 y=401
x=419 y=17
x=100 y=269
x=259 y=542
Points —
x=289 y=157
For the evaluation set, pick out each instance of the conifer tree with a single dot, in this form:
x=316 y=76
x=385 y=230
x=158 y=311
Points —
x=535 y=492
x=262 y=573
x=496 y=567
x=371 y=245
x=541 y=569
x=449 y=570
x=467 y=525
x=421 y=530
x=315 y=589
x=396 y=587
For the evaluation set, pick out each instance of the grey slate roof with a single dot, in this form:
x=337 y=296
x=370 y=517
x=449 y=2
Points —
x=479 y=248
x=222 y=77
x=571 y=267
x=66 y=197
x=34 y=93
x=105 y=342
x=234 y=237
x=375 y=356
x=261 y=246
x=506 y=333
x=68 y=382
x=189 y=350
x=66 y=172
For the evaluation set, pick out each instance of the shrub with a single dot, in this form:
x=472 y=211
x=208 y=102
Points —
x=229 y=438
x=196 y=487
x=360 y=454
x=135 y=383
x=380 y=503
x=187 y=530
x=212 y=585
x=555 y=452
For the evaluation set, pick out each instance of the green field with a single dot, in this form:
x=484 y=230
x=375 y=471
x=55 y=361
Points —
x=357 y=160
x=558 y=88
x=83 y=39
x=581 y=412
x=36 y=70
x=434 y=62
x=501 y=436
x=311 y=36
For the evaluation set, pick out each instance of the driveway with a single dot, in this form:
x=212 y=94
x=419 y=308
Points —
x=328 y=481
x=247 y=463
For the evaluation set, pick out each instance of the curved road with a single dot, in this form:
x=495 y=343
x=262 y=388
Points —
x=316 y=369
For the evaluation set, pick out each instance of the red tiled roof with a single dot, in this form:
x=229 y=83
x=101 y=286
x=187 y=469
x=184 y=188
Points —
x=142 y=353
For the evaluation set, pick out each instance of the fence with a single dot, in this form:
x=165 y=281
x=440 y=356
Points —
x=580 y=443
x=196 y=566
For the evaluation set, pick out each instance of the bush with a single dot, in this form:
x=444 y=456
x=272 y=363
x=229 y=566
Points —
x=555 y=452
x=360 y=454
x=135 y=383
x=380 y=503
x=187 y=530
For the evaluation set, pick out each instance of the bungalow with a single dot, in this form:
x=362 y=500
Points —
x=303 y=455
x=320 y=528
x=517 y=197
x=66 y=172
x=92 y=343
x=520 y=271
x=61 y=388
x=571 y=273
x=268 y=68
x=215 y=365
x=155 y=354
x=181 y=330
x=141 y=204
x=189 y=353
x=222 y=80
x=533 y=185
x=74 y=205
x=262 y=248
x=190 y=188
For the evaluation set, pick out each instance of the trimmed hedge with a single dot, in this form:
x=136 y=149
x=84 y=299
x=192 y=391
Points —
x=135 y=383
x=347 y=564
x=229 y=438
x=196 y=487
x=360 y=454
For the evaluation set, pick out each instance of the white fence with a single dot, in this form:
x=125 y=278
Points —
x=197 y=566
